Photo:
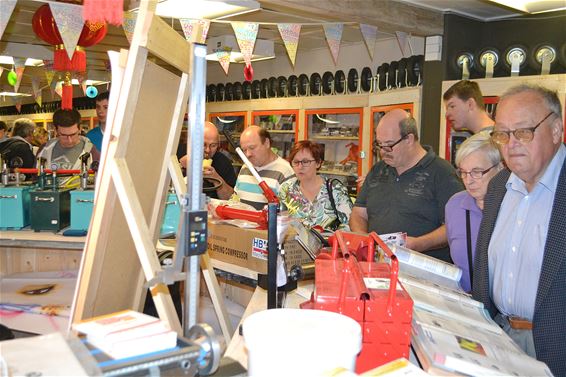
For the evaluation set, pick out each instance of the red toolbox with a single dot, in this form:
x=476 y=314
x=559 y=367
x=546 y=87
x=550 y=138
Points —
x=349 y=282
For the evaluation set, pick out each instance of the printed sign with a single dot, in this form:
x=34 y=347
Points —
x=259 y=248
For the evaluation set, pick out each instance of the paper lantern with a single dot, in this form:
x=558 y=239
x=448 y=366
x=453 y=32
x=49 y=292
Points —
x=44 y=26
x=12 y=78
x=91 y=92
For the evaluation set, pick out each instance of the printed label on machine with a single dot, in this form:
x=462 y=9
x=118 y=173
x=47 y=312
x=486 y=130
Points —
x=259 y=248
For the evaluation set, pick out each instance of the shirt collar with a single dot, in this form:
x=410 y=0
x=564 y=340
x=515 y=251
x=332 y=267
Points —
x=469 y=203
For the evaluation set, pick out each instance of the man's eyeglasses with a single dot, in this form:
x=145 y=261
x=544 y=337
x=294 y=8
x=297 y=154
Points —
x=302 y=162
x=211 y=145
x=524 y=135
x=388 y=147
x=474 y=173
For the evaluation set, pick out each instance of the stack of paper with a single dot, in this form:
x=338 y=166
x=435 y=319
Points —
x=127 y=333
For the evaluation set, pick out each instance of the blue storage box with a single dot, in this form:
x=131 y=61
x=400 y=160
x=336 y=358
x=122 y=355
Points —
x=82 y=202
x=14 y=207
x=171 y=215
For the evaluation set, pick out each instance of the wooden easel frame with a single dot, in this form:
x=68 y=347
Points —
x=146 y=113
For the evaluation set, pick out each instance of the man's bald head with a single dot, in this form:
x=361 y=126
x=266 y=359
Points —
x=402 y=120
x=211 y=139
x=256 y=145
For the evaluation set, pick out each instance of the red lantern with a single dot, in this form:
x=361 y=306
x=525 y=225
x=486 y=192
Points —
x=45 y=27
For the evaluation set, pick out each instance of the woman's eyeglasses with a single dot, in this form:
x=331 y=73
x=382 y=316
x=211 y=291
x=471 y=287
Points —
x=524 y=135
x=475 y=173
x=302 y=162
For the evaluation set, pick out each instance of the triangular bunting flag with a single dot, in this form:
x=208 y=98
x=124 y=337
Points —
x=369 y=32
x=6 y=9
x=57 y=87
x=246 y=34
x=333 y=34
x=195 y=29
x=290 y=35
x=49 y=76
x=403 y=39
x=223 y=55
x=20 y=75
x=130 y=24
x=36 y=90
x=19 y=62
x=1 y=71
x=69 y=20
x=17 y=101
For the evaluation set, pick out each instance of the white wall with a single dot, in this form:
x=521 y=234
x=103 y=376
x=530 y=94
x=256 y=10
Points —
x=318 y=60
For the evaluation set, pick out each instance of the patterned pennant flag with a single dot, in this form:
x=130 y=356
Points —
x=290 y=35
x=17 y=101
x=223 y=55
x=404 y=43
x=36 y=90
x=246 y=34
x=69 y=20
x=369 y=32
x=58 y=88
x=333 y=34
x=130 y=24
x=198 y=27
x=6 y=9
x=20 y=75
x=1 y=71
x=49 y=76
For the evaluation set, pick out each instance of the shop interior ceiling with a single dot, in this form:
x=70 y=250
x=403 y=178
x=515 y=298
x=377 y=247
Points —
x=416 y=17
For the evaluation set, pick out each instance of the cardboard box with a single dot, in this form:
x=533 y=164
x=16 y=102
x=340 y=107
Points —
x=248 y=247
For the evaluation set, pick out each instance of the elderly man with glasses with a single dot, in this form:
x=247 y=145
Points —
x=64 y=151
x=520 y=263
x=407 y=190
x=219 y=167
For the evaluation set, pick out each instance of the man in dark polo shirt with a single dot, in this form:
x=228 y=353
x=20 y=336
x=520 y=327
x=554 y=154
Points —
x=407 y=190
x=221 y=167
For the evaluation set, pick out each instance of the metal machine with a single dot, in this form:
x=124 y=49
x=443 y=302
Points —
x=14 y=199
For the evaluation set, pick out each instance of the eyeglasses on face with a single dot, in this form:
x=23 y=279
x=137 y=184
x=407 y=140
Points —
x=211 y=145
x=475 y=173
x=388 y=147
x=524 y=135
x=302 y=162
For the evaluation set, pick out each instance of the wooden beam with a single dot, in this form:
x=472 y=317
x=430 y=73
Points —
x=387 y=15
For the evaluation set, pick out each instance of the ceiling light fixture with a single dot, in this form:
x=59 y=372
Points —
x=205 y=9
x=263 y=50
x=533 y=6
x=14 y=94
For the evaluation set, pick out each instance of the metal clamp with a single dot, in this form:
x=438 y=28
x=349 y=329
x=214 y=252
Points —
x=50 y=199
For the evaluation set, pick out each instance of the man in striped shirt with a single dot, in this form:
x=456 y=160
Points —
x=255 y=142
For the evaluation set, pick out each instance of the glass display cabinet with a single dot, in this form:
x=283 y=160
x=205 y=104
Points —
x=234 y=123
x=282 y=125
x=377 y=112
x=340 y=132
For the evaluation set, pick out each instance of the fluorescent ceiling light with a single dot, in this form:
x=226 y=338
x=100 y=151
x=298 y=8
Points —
x=14 y=94
x=533 y=6
x=29 y=62
x=263 y=49
x=207 y=9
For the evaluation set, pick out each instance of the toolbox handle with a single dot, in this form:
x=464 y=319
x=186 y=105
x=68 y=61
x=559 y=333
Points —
x=394 y=268
x=41 y=199
x=85 y=201
x=8 y=196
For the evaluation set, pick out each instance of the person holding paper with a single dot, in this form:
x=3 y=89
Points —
x=520 y=265
x=465 y=108
x=255 y=142
x=407 y=190
x=311 y=198
x=478 y=160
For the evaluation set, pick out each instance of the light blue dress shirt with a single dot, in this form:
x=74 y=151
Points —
x=516 y=248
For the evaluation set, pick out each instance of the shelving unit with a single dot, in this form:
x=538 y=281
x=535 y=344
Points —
x=282 y=125
x=340 y=131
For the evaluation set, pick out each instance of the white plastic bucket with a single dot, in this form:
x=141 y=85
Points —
x=300 y=342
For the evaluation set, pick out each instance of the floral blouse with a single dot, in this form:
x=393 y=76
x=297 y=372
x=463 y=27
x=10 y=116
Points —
x=319 y=212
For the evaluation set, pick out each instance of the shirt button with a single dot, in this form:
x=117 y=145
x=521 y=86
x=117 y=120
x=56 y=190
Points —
x=519 y=222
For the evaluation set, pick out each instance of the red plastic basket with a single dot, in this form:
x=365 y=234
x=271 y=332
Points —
x=368 y=292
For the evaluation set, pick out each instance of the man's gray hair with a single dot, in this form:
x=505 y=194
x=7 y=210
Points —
x=478 y=142
x=409 y=126
x=549 y=97
x=23 y=127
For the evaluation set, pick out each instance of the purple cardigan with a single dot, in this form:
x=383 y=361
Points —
x=455 y=217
